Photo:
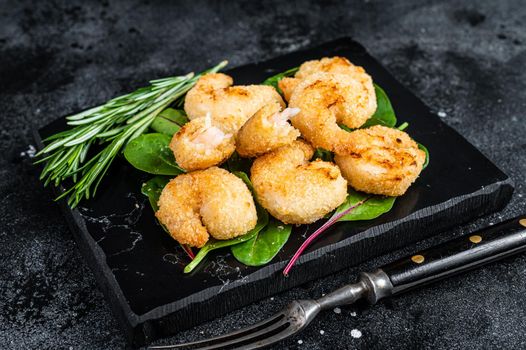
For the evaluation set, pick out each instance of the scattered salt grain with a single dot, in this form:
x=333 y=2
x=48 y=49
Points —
x=30 y=152
x=280 y=227
x=300 y=341
x=272 y=298
x=337 y=310
x=355 y=333
x=322 y=332
x=353 y=313
x=137 y=206
x=442 y=114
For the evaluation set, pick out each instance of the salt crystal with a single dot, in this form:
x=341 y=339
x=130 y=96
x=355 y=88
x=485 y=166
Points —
x=322 y=332
x=337 y=310
x=442 y=114
x=353 y=313
x=300 y=341
x=30 y=152
x=355 y=333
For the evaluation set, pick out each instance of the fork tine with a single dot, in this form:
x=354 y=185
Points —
x=230 y=339
x=270 y=340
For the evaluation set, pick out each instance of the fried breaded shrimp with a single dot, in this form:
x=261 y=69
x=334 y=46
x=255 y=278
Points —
x=326 y=99
x=211 y=202
x=266 y=130
x=335 y=65
x=230 y=106
x=295 y=190
x=199 y=145
x=384 y=161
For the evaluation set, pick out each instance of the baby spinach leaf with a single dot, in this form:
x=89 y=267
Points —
x=236 y=164
x=424 y=148
x=262 y=248
x=367 y=206
x=384 y=114
x=214 y=244
x=150 y=153
x=153 y=188
x=274 y=80
x=323 y=154
x=169 y=121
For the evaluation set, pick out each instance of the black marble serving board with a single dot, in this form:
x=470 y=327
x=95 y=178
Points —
x=139 y=267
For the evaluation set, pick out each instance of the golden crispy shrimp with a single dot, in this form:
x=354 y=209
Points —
x=326 y=99
x=211 y=202
x=335 y=65
x=384 y=161
x=295 y=190
x=266 y=130
x=230 y=106
x=199 y=145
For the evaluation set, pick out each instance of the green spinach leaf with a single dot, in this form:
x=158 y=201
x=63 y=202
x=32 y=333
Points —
x=323 y=154
x=169 y=121
x=274 y=80
x=262 y=248
x=150 y=153
x=236 y=164
x=384 y=114
x=424 y=148
x=371 y=207
x=153 y=188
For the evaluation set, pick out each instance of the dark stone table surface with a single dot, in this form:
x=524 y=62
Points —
x=464 y=59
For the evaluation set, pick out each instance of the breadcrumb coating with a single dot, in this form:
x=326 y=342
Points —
x=229 y=106
x=335 y=65
x=266 y=130
x=327 y=99
x=295 y=190
x=383 y=161
x=200 y=144
x=211 y=202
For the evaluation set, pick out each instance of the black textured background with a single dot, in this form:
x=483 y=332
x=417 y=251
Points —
x=464 y=60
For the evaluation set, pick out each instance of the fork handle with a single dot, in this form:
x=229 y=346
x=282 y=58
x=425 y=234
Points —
x=464 y=253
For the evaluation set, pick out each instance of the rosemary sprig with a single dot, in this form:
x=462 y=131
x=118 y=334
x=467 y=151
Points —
x=114 y=123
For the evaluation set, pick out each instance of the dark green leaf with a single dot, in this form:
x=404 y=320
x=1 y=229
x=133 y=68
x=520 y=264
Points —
x=373 y=207
x=424 y=148
x=384 y=114
x=261 y=249
x=214 y=244
x=150 y=153
x=153 y=188
x=323 y=154
x=238 y=164
x=274 y=80
x=169 y=121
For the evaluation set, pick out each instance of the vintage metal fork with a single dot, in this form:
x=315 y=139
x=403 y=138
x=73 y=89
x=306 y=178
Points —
x=459 y=255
